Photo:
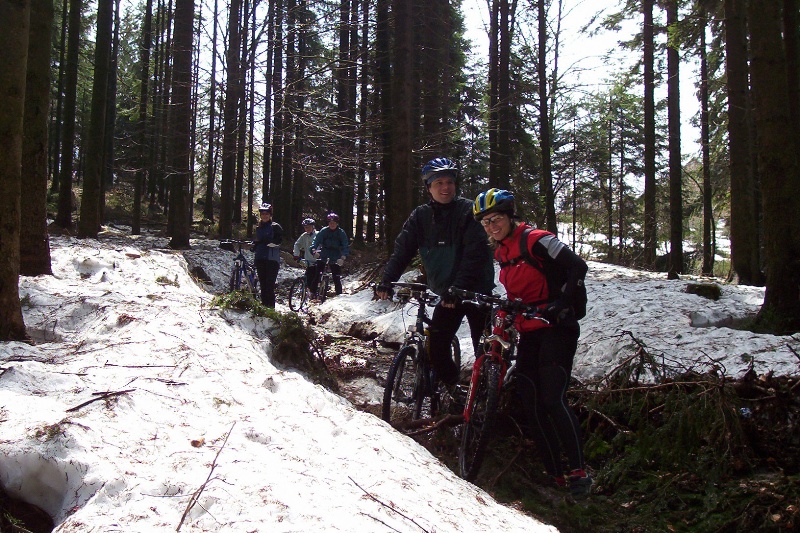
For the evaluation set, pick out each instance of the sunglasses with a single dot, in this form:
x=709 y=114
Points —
x=494 y=220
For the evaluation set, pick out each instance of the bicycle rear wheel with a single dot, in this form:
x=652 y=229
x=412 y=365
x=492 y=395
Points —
x=297 y=294
x=477 y=431
x=252 y=284
x=399 y=400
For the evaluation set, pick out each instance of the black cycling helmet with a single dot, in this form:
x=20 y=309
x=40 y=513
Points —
x=493 y=201
x=308 y=222
x=438 y=167
x=332 y=216
x=265 y=207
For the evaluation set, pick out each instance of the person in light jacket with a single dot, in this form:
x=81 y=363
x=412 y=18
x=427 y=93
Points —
x=269 y=235
x=303 y=245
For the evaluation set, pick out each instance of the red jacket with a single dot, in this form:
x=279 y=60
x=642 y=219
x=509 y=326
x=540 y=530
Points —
x=522 y=280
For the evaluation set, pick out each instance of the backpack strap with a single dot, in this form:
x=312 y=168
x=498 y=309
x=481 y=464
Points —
x=524 y=252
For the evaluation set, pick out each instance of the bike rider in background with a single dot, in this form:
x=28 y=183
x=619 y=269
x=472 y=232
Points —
x=303 y=245
x=269 y=235
x=546 y=350
x=454 y=255
x=332 y=243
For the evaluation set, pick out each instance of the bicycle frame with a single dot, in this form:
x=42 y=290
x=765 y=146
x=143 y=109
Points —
x=500 y=347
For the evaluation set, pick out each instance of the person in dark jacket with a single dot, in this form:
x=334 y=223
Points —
x=546 y=349
x=454 y=254
x=332 y=247
x=269 y=235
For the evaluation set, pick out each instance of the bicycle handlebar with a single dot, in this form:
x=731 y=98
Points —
x=512 y=306
x=416 y=291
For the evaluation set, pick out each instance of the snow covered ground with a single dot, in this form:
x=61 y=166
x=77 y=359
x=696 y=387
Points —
x=141 y=408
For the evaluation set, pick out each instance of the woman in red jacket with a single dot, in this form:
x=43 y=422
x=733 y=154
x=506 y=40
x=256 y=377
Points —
x=548 y=276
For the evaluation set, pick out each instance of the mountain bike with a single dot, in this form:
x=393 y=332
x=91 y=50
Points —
x=492 y=375
x=298 y=290
x=411 y=388
x=243 y=274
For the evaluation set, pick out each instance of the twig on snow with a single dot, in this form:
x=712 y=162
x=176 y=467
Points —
x=385 y=505
x=99 y=396
x=196 y=496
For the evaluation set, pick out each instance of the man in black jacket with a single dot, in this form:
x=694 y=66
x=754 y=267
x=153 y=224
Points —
x=455 y=254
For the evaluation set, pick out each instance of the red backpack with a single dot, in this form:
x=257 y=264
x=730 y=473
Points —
x=556 y=278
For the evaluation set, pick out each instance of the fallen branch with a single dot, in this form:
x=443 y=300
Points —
x=373 y=498
x=426 y=425
x=99 y=396
x=196 y=496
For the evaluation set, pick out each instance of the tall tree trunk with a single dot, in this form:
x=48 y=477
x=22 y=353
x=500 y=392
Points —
x=276 y=150
x=251 y=126
x=33 y=240
x=791 y=39
x=361 y=193
x=777 y=166
x=402 y=178
x=55 y=135
x=208 y=208
x=674 y=143
x=241 y=128
x=284 y=201
x=650 y=227
x=494 y=83
x=544 y=125
x=744 y=226
x=230 y=121
x=14 y=30
x=504 y=117
x=300 y=189
x=89 y=224
x=265 y=179
x=383 y=84
x=141 y=130
x=64 y=213
x=705 y=140
x=181 y=122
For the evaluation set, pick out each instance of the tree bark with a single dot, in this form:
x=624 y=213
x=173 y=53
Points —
x=89 y=224
x=230 y=121
x=674 y=143
x=208 y=208
x=778 y=168
x=650 y=227
x=400 y=205
x=705 y=141
x=33 y=240
x=181 y=123
x=14 y=30
x=544 y=126
x=744 y=225
x=141 y=133
x=64 y=213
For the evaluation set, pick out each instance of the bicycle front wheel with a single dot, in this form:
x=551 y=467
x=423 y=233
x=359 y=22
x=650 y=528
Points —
x=297 y=294
x=477 y=431
x=399 y=399
x=252 y=284
x=324 y=284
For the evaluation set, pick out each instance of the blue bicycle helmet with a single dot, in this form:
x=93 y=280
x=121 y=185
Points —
x=308 y=222
x=438 y=167
x=493 y=201
x=332 y=216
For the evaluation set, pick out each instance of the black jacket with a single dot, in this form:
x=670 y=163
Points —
x=454 y=248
